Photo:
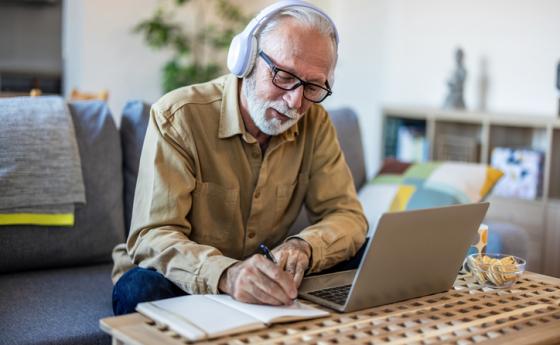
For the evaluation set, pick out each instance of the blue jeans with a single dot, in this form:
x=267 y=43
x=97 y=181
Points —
x=141 y=285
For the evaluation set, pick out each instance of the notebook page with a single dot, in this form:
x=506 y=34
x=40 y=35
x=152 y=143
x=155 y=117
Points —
x=197 y=317
x=271 y=314
x=176 y=323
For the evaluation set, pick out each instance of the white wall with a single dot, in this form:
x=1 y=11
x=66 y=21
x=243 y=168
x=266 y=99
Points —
x=400 y=52
x=519 y=39
x=391 y=52
x=101 y=52
x=359 y=76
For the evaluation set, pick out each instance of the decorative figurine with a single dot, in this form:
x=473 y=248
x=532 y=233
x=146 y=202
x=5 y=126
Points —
x=455 y=83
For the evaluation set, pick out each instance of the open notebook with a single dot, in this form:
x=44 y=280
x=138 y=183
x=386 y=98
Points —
x=198 y=317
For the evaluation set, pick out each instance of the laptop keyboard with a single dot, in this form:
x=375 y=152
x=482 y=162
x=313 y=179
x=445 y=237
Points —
x=337 y=294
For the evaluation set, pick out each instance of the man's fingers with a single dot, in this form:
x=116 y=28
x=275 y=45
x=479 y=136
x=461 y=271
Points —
x=269 y=292
x=297 y=259
x=279 y=277
x=291 y=264
x=254 y=285
x=300 y=271
x=282 y=260
x=262 y=296
x=251 y=293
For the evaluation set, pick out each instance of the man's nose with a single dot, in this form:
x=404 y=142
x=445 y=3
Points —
x=294 y=98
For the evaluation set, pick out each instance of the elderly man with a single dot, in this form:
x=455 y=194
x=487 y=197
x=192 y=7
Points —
x=227 y=165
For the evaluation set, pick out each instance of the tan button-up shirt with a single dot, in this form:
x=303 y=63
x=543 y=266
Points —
x=206 y=195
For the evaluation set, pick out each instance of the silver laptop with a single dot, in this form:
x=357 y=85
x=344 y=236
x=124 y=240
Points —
x=411 y=254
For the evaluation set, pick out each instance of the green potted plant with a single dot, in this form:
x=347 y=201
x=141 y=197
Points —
x=195 y=53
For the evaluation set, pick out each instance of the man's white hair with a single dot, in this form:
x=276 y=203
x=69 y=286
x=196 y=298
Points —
x=308 y=18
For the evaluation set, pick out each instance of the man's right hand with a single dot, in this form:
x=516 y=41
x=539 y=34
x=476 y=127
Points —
x=258 y=280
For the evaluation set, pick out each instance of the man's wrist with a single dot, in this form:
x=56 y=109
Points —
x=223 y=282
x=306 y=247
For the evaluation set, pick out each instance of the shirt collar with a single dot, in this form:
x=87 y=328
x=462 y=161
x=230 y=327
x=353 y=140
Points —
x=231 y=122
x=230 y=115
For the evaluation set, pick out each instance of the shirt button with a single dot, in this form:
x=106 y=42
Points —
x=256 y=154
x=251 y=234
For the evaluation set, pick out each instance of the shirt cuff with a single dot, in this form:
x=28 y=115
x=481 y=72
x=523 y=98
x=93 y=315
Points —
x=211 y=271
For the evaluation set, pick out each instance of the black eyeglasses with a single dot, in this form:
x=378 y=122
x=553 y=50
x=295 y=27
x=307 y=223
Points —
x=289 y=81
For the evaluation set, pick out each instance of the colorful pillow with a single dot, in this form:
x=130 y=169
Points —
x=402 y=186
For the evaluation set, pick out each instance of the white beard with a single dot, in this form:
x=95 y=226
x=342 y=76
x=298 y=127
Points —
x=258 y=107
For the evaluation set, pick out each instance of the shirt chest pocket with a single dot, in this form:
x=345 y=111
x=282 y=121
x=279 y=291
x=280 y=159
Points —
x=211 y=214
x=289 y=198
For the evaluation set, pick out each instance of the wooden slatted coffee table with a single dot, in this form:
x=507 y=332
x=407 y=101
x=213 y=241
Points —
x=528 y=313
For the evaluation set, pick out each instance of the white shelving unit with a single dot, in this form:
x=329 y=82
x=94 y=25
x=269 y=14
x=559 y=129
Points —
x=471 y=136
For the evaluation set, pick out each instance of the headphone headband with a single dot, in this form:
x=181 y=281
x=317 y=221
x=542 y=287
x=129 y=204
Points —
x=268 y=12
x=243 y=48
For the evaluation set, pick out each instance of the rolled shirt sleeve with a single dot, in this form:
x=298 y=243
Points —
x=160 y=229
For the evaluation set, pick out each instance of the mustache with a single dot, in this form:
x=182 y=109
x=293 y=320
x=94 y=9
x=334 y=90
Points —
x=283 y=108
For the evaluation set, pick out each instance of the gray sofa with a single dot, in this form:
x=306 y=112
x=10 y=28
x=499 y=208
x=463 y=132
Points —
x=99 y=223
x=55 y=282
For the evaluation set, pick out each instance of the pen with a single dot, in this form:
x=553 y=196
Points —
x=267 y=253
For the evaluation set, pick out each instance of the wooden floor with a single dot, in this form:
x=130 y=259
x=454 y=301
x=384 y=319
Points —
x=529 y=313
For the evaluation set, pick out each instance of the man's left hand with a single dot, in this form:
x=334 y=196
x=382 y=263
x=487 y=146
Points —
x=293 y=256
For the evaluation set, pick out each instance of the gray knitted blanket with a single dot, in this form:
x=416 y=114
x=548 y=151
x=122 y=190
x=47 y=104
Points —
x=40 y=170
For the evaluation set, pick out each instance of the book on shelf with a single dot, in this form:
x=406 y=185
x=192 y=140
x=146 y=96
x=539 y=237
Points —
x=198 y=317
x=523 y=172
x=412 y=145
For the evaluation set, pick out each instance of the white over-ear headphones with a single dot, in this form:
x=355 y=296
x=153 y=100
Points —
x=243 y=48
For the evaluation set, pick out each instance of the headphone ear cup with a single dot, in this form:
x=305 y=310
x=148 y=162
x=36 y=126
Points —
x=251 y=57
x=234 y=58
x=241 y=55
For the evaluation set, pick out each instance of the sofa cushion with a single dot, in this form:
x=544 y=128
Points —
x=99 y=224
x=60 y=306
x=134 y=123
x=414 y=186
x=349 y=136
x=348 y=133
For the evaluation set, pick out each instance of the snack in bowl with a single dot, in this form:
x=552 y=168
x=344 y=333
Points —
x=496 y=270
